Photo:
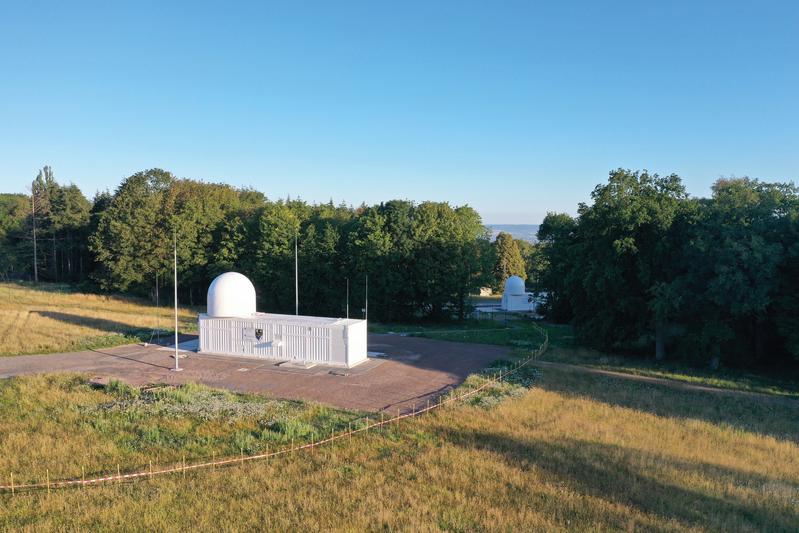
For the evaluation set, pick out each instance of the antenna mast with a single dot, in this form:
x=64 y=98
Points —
x=33 y=213
x=177 y=357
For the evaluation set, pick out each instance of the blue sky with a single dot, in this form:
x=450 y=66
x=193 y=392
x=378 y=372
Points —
x=516 y=108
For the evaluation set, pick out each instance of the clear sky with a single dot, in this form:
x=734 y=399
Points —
x=516 y=108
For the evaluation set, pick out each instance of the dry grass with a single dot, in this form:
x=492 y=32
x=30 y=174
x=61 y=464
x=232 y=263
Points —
x=54 y=318
x=578 y=452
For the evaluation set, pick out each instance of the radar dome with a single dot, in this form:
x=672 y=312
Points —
x=231 y=295
x=514 y=285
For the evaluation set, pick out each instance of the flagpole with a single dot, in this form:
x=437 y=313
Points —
x=296 y=279
x=366 y=308
x=157 y=311
x=177 y=357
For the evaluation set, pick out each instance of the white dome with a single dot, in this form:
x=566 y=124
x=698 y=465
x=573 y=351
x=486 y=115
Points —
x=231 y=295
x=514 y=285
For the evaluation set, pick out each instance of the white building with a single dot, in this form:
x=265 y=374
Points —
x=515 y=297
x=231 y=326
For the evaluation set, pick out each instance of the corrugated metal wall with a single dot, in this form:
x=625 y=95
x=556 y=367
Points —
x=278 y=340
x=335 y=342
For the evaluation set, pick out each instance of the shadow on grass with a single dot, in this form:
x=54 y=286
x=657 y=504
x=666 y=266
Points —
x=776 y=419
x=629 y=477
x=111 y=326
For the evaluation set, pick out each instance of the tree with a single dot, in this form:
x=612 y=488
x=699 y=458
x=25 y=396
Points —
x=42 y=190
x=70 y=219
x=627 y=256
x=195 y=211
x=613 y=265
x=273 y=251
x=15 y=252
x=713 y=279
x=557 y=237
x=739 y=253
x=133 y=238
x=533 y=261
x=509 y=260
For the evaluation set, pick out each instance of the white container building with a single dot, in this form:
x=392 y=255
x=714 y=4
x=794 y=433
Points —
x=233 y=327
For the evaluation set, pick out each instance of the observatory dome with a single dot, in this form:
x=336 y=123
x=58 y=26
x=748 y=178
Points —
x=231 y=295
x=514 y=285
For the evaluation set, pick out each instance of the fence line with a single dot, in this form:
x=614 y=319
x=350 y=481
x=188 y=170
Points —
x=183 y=467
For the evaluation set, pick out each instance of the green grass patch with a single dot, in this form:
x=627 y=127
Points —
x=65 y=424
x=564 y=349
x=514 y=385
x=519 y=333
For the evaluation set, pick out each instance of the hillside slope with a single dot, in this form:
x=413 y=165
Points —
x=50 y=317
x=577 y=452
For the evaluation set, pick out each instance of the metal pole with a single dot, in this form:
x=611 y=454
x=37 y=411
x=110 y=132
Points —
x=157 y=311
x=296 y=279
x=348 y=297
x=33 y=213
x=366 y=308
x=177 y=357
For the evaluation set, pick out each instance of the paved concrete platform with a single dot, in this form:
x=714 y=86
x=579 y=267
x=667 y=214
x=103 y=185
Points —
x=412 y=371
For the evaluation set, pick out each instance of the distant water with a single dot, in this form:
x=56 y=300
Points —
x=525 y=232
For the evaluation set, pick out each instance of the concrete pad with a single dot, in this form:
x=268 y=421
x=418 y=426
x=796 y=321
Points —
x=413 y=371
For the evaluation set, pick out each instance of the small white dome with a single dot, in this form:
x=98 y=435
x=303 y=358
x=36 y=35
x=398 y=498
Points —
x=231 y=295
x=514 y=285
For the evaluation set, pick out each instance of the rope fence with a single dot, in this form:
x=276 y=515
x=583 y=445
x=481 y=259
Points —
x=182 y=467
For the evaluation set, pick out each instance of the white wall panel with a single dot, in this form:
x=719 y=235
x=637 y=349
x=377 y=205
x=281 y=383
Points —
x=320 y=340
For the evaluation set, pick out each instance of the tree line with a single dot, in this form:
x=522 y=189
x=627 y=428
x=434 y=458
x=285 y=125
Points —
x=643 y=268
x=59 y=219
x=647 y=268
x=422 y=260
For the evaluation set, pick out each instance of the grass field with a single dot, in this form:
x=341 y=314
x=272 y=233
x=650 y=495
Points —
x=81 y=427
x=552 y=450
x=575 y=452
x=522 y=334
x=53 y=317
